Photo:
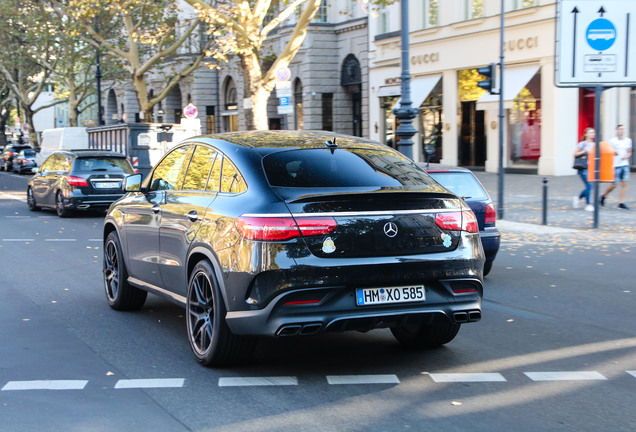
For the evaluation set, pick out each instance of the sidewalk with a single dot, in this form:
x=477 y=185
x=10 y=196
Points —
x=523 y=203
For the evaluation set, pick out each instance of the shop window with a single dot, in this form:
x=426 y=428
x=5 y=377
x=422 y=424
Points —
x=524 y=124
x=389 y=121
x=431 y=124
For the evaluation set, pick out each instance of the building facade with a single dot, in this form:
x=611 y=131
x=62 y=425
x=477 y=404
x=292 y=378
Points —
x=458 y=121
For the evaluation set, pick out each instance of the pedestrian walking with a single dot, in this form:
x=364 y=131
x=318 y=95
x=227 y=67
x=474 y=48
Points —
x=580 y=164
x=622 y=152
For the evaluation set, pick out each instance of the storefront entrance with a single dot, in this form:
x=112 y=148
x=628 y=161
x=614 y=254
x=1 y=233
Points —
x=472 y=140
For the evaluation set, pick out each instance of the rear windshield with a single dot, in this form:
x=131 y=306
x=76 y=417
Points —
x=112 y=164
x=463 y=184
x=29 y=153
x=324 y=168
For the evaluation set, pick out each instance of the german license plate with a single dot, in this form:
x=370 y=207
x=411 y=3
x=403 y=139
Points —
x=376 y=296
x=106 y=185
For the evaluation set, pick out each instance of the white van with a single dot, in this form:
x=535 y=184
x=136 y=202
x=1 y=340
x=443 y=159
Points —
x=68 y=138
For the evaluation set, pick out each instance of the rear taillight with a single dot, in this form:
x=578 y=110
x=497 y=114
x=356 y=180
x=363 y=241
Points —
x=457 y=221
x=491 y=214
x=76 y=181
x=25 y=161
x=283 y=228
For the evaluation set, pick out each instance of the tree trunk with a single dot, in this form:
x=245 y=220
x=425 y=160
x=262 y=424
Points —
x=3 y=122
x=257 y=91
x=28 y=120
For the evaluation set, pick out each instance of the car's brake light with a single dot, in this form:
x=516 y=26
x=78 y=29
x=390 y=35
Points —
x=491 y=214
x=24 y=161
x=457 y=221
x=76 y=181
x=283 y=228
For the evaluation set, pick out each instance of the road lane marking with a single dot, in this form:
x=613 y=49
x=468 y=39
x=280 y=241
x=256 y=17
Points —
x=362 y=379
x=46 y=385
x=632 y=373
x=467 y=377
x=150 y=383
x=565 y=376
x=13 y=197
x=258 y=381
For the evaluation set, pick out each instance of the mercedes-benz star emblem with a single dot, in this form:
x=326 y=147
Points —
x=390 y=229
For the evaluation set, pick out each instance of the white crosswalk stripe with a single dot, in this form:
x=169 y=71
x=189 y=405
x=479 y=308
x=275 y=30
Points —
x=565 y=376
x=150 y=383
x=46 y=385
x=467 y=377
x=258 y=381
x=362 y=379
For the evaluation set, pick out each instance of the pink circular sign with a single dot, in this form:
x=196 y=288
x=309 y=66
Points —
x=190 y=111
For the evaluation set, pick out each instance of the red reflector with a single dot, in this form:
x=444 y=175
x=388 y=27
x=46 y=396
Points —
x=457 y=221
x=282 y=228
x=302 y=302
x=76 y=181
x=491 y=214
x=464 y=291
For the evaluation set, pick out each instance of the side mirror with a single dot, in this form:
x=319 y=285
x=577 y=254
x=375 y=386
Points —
x=132 y=183
x=35 y=170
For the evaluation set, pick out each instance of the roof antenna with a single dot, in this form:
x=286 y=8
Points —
x=332 y=145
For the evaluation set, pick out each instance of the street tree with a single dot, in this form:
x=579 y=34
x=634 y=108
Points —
x=144 y=36
x=242 y=28
x=31 y=52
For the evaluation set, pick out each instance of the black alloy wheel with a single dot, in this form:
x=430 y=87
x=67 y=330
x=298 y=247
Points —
x=439 y=332
x=59 y=206
x=211 y=340
x=31 y=200
x=119 y=293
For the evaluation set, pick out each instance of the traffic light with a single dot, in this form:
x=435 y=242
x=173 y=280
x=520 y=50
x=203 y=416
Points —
x=490 y=72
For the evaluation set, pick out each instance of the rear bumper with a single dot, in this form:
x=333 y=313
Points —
x=490 y=241
x=88 y=202
x=458 y=300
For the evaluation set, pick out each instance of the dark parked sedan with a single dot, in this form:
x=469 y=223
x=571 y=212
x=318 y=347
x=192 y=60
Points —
x=291 y=234
x=78 y=180
x=9 y=153
x=464 y=183
x=24 y=161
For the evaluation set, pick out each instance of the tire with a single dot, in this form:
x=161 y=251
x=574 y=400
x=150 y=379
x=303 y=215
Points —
x=31 y=200
x=487 y=267
x=59 y=206
x=440 y=332
x=120 y=294
x=211 y=340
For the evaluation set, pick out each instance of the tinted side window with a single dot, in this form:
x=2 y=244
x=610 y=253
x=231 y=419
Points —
x=231 y=180
x=214 y=182
x=199 y=168
x=49 y=163
x=170 y=172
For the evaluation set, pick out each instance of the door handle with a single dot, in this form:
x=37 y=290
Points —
x=156 y=208
x=193 y=216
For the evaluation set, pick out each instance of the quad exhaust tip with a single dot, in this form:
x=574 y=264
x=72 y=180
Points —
x=299 y=329
x=467 y=316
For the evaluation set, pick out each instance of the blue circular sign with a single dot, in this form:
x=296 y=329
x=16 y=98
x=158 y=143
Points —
x=600 y=34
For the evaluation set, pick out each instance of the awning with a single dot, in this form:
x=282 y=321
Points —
x=420 y=89
x=515 y=79
x=386 y=91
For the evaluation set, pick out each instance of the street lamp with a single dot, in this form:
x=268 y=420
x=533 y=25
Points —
x=405 y=114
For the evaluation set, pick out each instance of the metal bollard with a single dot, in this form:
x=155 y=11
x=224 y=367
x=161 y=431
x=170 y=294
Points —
x=545 y=201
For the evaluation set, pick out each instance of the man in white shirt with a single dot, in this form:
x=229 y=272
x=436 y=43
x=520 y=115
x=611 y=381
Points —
x=622 y=153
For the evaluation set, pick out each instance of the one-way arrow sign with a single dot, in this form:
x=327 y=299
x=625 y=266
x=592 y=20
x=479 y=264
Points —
x=593 y=40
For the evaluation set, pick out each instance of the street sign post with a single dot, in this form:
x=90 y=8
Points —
x=593 y=43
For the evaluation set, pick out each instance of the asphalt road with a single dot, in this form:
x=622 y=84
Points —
x=555 y=350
